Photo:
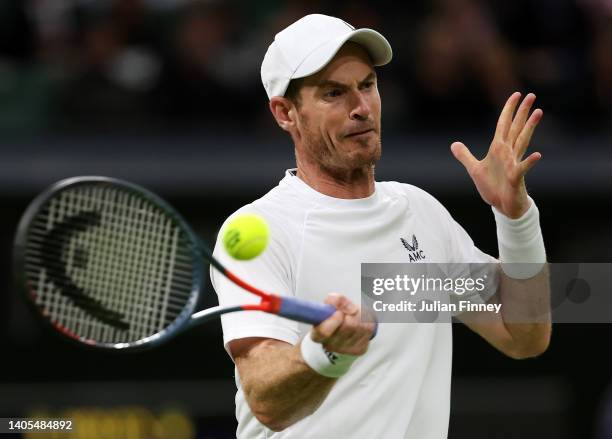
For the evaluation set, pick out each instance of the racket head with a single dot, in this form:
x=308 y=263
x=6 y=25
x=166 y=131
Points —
x=108 y=264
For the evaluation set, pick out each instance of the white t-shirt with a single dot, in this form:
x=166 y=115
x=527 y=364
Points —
x=401 y=387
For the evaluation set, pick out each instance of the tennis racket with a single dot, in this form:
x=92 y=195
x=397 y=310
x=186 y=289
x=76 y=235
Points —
x=112 y=265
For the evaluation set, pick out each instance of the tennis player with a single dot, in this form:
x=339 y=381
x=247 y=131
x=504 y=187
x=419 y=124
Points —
x=328 y=216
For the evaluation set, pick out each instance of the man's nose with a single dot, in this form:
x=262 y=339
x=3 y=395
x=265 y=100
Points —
x=360 y=107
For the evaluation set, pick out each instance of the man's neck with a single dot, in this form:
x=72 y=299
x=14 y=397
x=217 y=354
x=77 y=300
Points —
x=349 y=184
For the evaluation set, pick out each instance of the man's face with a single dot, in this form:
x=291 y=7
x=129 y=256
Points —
x=338 y=117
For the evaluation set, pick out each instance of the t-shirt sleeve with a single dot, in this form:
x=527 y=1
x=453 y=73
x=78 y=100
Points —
x=269 y=272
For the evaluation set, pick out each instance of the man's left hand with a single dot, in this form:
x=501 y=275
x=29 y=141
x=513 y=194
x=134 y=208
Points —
x=500 y=176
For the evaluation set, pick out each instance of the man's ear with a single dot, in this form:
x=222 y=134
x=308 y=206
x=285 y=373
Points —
x=284 y=112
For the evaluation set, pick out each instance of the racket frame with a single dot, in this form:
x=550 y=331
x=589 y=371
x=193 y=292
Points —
x=181 y=322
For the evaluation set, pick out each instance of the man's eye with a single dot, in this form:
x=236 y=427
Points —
x=333 y=93
x=368 y=84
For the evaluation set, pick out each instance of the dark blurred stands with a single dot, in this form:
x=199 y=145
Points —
x=137 y=65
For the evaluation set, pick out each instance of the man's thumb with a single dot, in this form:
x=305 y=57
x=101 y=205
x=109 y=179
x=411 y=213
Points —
x=463 y=154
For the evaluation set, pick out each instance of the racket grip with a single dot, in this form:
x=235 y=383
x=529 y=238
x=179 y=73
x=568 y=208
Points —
x=305 y=311
x=309 y=312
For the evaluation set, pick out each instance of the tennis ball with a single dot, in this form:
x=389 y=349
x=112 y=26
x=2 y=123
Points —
x=246 y=236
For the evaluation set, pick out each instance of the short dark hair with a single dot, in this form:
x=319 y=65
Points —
x=293 y=91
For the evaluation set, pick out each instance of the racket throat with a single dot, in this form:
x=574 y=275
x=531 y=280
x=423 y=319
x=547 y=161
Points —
x=270 y=303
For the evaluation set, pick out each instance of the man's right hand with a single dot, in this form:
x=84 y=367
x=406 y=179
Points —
x=344 y=332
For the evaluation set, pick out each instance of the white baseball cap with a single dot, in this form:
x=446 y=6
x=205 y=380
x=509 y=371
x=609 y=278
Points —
x=306 y=46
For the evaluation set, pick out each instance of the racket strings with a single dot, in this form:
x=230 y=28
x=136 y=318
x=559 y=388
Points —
x=108 y=265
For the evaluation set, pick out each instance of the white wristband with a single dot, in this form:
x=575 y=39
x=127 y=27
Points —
x=521 y=246
x=324 y=362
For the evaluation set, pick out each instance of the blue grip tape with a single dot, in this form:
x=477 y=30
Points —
x=305 y=311
x=309 y=312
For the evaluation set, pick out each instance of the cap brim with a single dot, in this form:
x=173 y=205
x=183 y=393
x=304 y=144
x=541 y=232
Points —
x=375 y=44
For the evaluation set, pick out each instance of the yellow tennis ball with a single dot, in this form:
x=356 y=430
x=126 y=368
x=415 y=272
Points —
x=246 y=236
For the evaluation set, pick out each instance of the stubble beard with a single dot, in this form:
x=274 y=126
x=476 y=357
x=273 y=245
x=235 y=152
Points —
x=338 y=163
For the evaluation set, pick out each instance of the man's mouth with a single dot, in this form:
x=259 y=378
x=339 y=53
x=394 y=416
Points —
x=359 y=133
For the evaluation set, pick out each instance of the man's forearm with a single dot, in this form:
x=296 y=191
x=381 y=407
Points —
x=279 y=386
x=526 y=310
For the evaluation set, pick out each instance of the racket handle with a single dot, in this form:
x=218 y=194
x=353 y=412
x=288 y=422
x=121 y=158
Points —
x=305 y=311
x=308 y=312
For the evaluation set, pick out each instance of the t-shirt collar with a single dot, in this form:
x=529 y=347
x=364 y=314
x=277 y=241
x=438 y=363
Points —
x=291 y=179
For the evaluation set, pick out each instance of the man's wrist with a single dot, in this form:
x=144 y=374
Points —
x=322 y=361
x=521 y=245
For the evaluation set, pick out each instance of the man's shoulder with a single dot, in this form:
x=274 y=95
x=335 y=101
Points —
x=279 y=196
x=414 y=194
x=279 y=207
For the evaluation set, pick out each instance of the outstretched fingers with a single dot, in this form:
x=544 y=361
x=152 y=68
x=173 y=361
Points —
x=522 y=142
x=521 y=117
x=505 y=118
x=526 y=165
